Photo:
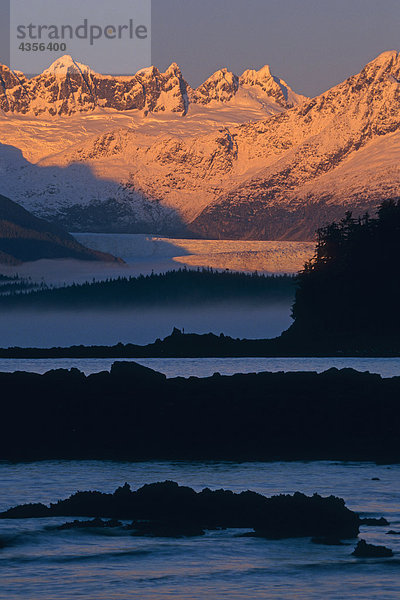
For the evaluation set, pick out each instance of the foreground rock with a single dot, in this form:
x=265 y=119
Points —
x=364 y=550
x=169 y=510
x=135 y=413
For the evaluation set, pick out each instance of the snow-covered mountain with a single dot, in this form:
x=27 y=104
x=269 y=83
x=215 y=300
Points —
x=68 y=87
x=239 y=157
x=339 y=151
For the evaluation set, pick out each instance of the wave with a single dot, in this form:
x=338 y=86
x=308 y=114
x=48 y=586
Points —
x=78 y=558
x=100 y=555
x=350 y=563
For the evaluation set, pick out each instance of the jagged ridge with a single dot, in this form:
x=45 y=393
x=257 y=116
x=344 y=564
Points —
x=67 y=87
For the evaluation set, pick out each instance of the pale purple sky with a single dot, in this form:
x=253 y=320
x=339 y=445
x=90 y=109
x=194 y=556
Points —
x=312 y=44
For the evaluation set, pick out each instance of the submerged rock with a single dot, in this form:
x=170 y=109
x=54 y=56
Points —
x=364 y=550
x=330 y=540
x=164 y=529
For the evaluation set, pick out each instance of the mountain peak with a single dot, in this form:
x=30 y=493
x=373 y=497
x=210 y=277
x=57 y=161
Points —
x=272 y=86
x=385 y=57
x=221 y=86
x=63 y=65
x=261 y=75
x=148 y=72
x=174 y=68
x=378 y=71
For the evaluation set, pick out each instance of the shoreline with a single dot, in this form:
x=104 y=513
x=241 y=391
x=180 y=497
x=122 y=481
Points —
x=208 y=345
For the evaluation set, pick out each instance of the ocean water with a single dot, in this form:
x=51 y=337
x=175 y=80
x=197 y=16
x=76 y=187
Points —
x=205 y=367
x=39 y=562
x=139 y=325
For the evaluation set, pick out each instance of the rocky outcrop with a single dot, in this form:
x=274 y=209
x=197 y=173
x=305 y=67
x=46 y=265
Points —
x=169 y=510
x=364 y=550
x=96 y=523
x=372 y=522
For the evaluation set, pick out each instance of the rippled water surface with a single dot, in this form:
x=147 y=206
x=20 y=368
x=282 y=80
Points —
x=205 y=367
x=39 y=562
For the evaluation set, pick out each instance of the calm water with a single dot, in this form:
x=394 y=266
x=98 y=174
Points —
x=139 y=325
x=41 y=563
x=204 y=367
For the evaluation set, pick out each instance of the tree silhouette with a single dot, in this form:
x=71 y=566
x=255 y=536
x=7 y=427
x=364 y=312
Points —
x=351 y=287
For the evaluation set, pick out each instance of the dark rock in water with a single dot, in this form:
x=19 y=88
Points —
x=27 y=511
x=134 y=370
x=375 y=478
x=302 y=516
x=169 y=509
x=392 y=532
x=364 y=550
x=327 y=541
x=382 y=522
x=90 y=524
x=166 y=529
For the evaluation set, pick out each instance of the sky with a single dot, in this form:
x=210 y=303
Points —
x=311 y=44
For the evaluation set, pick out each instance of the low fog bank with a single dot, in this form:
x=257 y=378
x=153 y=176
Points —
x=140 y=326
x=65 y=272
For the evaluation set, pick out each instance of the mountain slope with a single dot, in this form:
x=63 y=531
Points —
x=339 y=151
x=24 y=237
x=295 y=165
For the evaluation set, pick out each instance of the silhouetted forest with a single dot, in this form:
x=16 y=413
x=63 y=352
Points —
x=173 y=287
x=350 y=290
x=14 y=285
